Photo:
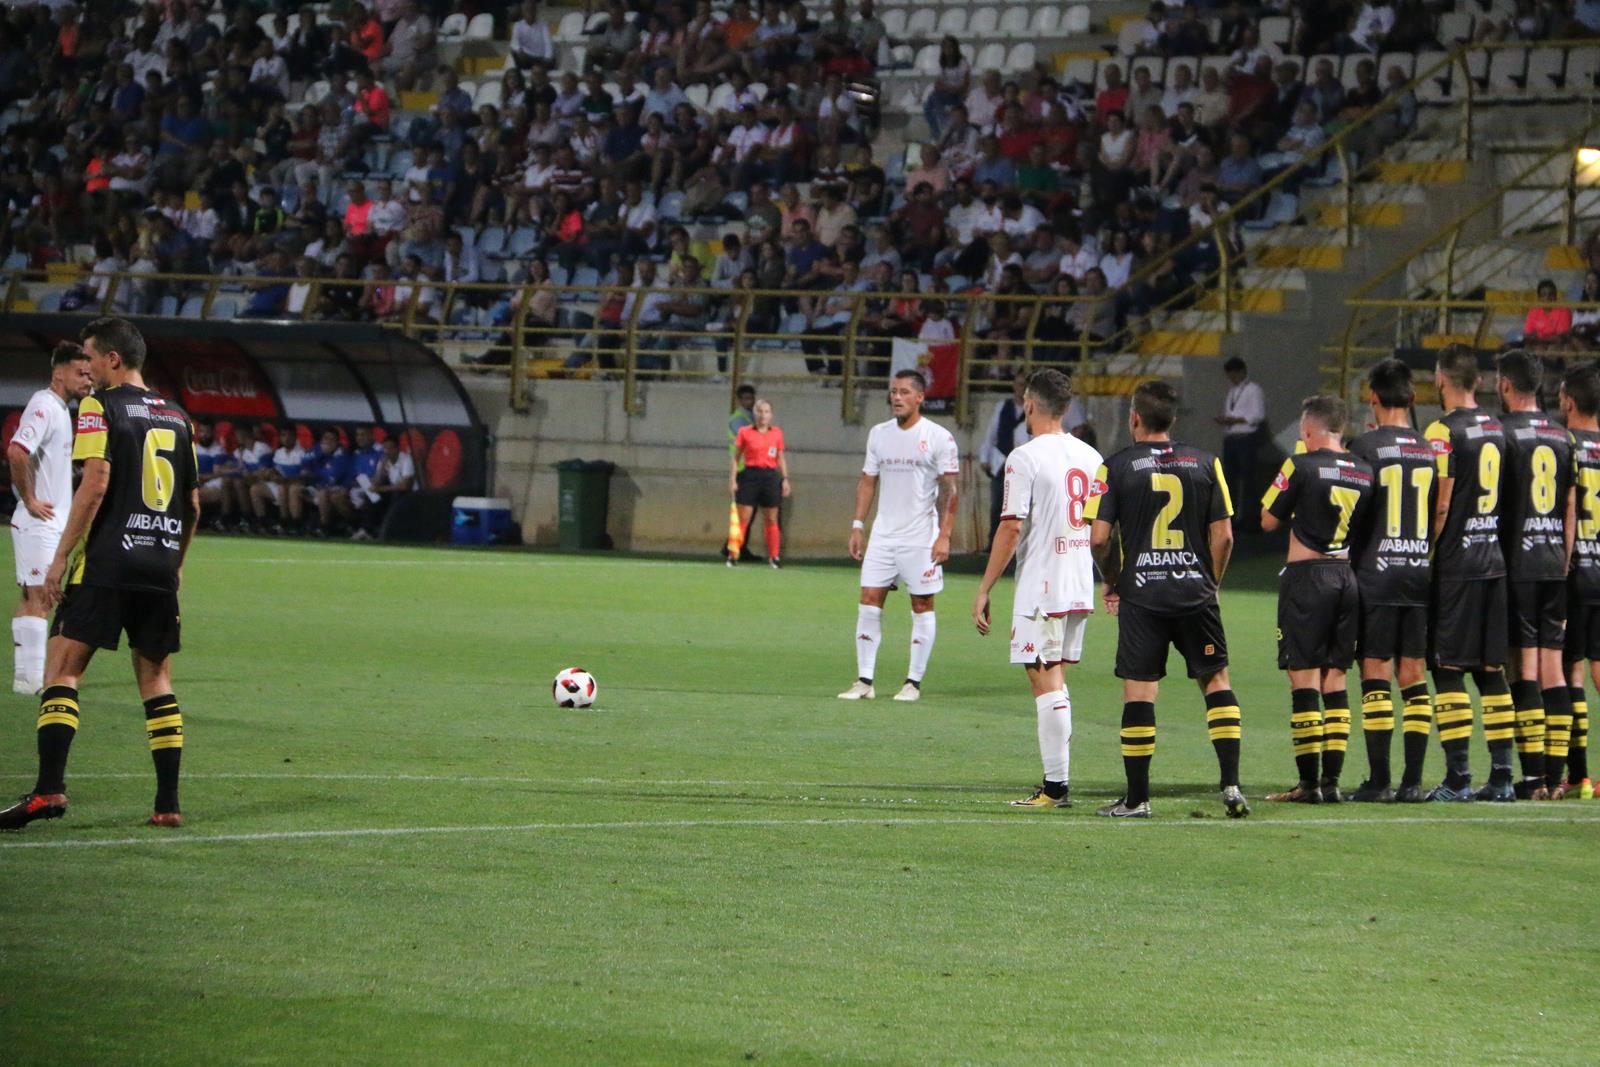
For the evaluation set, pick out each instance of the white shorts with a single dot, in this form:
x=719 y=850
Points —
x=910 y=566
x=211 y=483
x=1047 y=639
x=34 y=549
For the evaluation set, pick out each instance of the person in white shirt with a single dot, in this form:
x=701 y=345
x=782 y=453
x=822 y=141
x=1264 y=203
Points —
x=1049 y=482
x=917 y=463
x=1243 y=418
x=40 y=455
x=396 y=475
x=530 y=39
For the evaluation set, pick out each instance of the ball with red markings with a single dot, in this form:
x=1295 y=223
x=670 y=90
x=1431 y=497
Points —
x=574 y=688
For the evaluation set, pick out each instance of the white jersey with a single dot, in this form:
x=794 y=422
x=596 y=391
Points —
x=1049 y=480
x=908 y=465
x=45 y=433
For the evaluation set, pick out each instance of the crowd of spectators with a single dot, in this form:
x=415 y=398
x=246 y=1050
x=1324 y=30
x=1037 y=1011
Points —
x=279 y=148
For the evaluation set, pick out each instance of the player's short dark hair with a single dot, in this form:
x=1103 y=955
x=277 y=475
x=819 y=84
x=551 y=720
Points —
x=913 y=376
x=111 y=334
x=1326 y=411
x=66 y=352
x=1051 y=390
x=1390 y=379
x=745 y=390
x=1522 y=369
x=1235 y=364
x=1459 y=365
x=1156 y=404
x=1581 y=384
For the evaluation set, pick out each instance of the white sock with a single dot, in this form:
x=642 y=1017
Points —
x=869 y=634
x=28 y=637
x=923 y=630
x=1055 y=733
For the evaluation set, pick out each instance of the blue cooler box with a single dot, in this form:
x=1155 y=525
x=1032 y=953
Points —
x=479 y=520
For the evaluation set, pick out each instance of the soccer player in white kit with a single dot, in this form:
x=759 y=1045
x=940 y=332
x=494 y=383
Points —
x=40 y=455
x=913 y=465
x=1048 y=484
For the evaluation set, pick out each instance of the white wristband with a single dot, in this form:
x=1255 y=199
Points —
x=857 y=524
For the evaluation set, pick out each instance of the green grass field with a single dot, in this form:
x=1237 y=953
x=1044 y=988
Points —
x=399 y=852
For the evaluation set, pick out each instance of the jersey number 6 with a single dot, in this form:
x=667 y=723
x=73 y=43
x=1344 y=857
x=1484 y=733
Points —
x=158 y=478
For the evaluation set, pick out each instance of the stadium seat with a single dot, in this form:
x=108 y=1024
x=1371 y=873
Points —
x=585 y=277
x=317 y=91
x=492 y=241
x=993 y=55
x=481 y=28
x=671 y=206
x=1546 y=74
x=1079 y=71
x=1583 y=65
x=559 y=275
x=491 y=270
x=1439 y=89
x=191 y=308
x=224 y=307
x=985 y=22
x=1281 y=210
x=1406 y=61
x=928 y=55
x=1014 y=22
x=699 y=96
x=1154 y=64
x=1455 y=27
x=922 y=23
x=488 y=94
x=1046 y=20
x=453 y=28
x=1076 y=20
x=759 y=89
x=570 y=27
x=953 y=21
x=1021 y=57
x=1276 y=31
x=1507 y=73
x=894 y=21
x=523 y=240
x=167 y=308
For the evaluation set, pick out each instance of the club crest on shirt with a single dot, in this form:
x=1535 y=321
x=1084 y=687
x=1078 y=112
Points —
x=922 y=446
x=1440 y=446
x=1281 y=482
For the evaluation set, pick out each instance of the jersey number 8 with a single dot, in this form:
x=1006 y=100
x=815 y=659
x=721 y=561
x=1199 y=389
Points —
x=1077 y=497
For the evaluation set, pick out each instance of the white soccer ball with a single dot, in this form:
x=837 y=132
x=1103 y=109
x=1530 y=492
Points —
x=574 y=688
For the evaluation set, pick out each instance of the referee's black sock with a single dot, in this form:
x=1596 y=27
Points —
x=1453 y=712
x=163 y=724
x=1558 y=723
x=1499 y=722
x=1138 y=748
x=1335 y=734
x=1305 y=728
x=1529 y=703
x=1416 y=725
x=1377 y=727
x=1223 y=724
x=1578 y=758
x=58 y=725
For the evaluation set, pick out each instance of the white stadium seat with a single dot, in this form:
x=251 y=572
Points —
x=1545 y=69
x=481 y=28
x=985 y=22
x=1014 y=23
x=894 y=22
x=570 y=29
x=1076 y=20
x=928 y=59
x=453 y=28
x=1021 y=58
x=923 y=22
x=1507 y=68
x=1276 y=30
x=1455 y=27
x=488 y=95
x=953 y=21
x=1582 y=65
x=1079 y=70
x=1046 y=18
x=992 y=56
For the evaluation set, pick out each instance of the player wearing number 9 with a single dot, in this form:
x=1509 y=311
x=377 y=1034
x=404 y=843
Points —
x=1321 y=495
x=118 y=565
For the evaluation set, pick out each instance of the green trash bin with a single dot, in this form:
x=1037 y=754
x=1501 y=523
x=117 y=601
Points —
x=584 y=496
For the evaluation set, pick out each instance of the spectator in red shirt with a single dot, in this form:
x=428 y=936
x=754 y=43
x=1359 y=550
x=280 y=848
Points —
x=921 y=225
x=1251 y=95
x=366 y=34
x=372 y=101
x=1113 y=98
x=1547 y=327
x=764 y=481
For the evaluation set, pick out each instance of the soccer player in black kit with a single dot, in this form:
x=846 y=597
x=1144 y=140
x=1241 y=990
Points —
x=1321 y=495
x=1392 y=572
x=1535 y=487
x=1580 y=408
x=1170 y=507
x=117 y=568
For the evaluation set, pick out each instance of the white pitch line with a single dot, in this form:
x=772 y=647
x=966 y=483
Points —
x=441 y=562
x=168 y=838
x=477 y=779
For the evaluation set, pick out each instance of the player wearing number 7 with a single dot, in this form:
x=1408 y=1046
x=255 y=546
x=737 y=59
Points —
x=118 y=565
x=1321 y=494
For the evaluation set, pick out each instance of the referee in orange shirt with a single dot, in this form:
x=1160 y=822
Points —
x=764 y=481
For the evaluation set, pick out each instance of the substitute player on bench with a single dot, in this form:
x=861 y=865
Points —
x=1044 y=523
x=118 y=565
x=1321 y=494
x=1170 y=506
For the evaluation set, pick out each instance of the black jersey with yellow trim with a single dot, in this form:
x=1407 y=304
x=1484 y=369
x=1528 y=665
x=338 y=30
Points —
x=1586 y=540
x=1394 y=546
x=136 y=540
x=1535 y=479
x=1322 y=495
x=1469 y=447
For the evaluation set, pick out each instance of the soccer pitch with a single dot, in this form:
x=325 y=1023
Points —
x=399 y=852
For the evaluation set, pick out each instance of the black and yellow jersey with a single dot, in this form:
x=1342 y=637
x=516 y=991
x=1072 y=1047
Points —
x=1469 y=447
x=136 y=540
x=1586 y=544
x=1163 y=498
x=1322 y=495
x=1395 y=541
x=1534 y=481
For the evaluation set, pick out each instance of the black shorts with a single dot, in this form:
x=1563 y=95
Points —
x=1143 y=636
x=1538 y=615
x=1469 y=624
x=1319 y=616
x=760 y=487
x=97 y=615
x=1583 y=629
x=1390 y=630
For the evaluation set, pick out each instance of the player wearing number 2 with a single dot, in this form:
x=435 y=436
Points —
x=1321 y=494
x=118 y=565
x=1170 y=508
x=1535 y=484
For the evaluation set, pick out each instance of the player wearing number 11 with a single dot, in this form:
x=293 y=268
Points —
x=117 y=566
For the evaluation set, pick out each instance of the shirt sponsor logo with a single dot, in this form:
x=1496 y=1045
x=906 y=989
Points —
x=1281 y=482
x=1442 y=447
x=91 y=422
x=166 y=524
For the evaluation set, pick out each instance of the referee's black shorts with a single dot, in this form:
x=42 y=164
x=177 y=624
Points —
x=1319 y=613
x=759 y=487
x=1143 y=637
x=1469 y=623
x=98 y=615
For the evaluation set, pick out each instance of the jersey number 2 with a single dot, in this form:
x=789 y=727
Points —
x=158 y=479
x=1162 y=535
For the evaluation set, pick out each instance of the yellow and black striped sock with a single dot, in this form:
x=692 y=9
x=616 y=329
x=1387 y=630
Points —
x=1453 y=712
x=1558 y=725
x=1530 y=728
x=58 y=725
x=1578 y=757
x=1305 y=728
x=1499 y=722
x=163 y=724
x=1224 y=726
x=1416 y=725
x=1335 y=734
x=1138 y=747
x=1377 y=727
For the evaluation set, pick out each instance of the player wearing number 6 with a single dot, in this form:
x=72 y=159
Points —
x=1170 y=506
x=118 y=565
x=1322 y=494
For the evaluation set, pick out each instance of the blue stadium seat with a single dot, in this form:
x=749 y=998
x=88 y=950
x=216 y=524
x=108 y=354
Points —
x=492 y=241
x=523 y=240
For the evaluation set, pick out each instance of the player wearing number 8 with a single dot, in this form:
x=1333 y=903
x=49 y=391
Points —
x=118 y=565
